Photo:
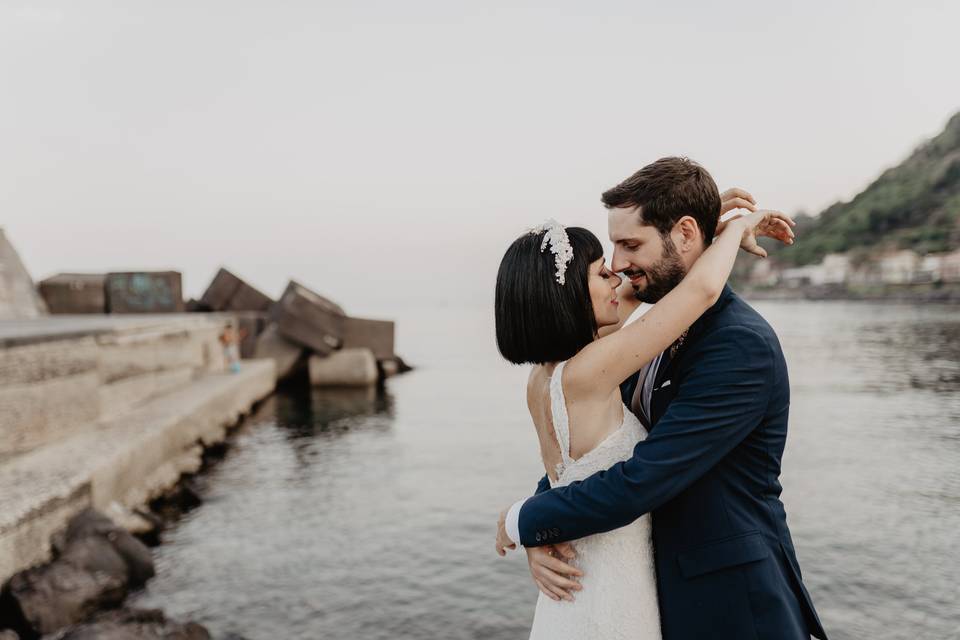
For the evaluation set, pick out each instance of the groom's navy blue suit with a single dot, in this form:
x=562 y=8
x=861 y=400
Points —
x=709 y=471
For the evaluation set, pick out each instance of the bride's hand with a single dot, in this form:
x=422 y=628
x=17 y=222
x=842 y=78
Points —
x=763 y=223
x=736 y=198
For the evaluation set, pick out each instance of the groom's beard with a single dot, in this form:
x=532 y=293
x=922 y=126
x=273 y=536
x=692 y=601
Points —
x=665 y=274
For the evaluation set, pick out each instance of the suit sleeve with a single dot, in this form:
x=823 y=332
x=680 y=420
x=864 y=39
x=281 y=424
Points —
x=723 y=396
x=543 y=485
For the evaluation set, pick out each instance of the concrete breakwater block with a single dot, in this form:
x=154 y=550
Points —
x=144 y=292
x=375 y=335
x=95 y=566
x=309 y=319
x=285 y=354
x=227 y=292
x=344 y=368
x=75 y=293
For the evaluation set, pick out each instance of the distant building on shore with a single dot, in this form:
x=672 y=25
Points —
x=899 y=267
x=903 y=267
x=950 y=267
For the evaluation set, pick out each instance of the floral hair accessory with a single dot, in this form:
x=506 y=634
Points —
x=555 y=236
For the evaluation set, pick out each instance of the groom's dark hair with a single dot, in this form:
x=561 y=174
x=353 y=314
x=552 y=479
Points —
x=539 y=320
x=667 y=190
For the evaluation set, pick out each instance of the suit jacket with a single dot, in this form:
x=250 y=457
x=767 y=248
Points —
x=709 y=473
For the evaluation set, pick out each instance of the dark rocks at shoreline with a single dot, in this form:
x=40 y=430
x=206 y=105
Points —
x=95 y=565
x=181 y=498
x=135 y=624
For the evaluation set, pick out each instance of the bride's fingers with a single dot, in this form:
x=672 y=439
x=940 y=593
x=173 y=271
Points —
x=773 y=214
x=778 y=230
x=737 y=192
x=736 y=203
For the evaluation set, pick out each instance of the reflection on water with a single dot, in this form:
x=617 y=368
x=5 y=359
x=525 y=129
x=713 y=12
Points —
x=365 y=514
x=306 y=413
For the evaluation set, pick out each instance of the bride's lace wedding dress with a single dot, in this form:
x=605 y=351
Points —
x=619 y=596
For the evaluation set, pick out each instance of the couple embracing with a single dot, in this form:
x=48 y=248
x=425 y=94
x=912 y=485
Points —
x=660 y=402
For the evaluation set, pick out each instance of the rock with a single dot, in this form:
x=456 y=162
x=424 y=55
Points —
x=92 y=524
x=89 y=577
x=344 y=368
x=402 y=366
x=227 y=292
x=285 y=354
x=74 y=293
x=144 y=292
x=136 y=624
x=96 y=562
x=307 y=318
x=376 y=335
x=393 y=366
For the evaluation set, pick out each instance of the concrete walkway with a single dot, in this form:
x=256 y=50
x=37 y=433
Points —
x=129 y=459
x=109 y=412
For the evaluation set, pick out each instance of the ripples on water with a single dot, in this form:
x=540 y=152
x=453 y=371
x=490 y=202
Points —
x=364 y=515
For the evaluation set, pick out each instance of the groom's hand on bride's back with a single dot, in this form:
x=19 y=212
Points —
x=554 y=577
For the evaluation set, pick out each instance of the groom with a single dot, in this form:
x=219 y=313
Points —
x=715 y=405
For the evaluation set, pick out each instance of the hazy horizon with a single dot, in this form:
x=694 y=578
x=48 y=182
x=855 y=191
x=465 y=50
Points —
x=386 y=155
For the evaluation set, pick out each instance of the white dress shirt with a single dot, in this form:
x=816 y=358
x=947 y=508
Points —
x=640 y=405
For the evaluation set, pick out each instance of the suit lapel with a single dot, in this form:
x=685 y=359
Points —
x=665 y=371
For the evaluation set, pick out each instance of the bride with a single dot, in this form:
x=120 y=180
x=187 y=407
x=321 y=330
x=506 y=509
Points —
x=555 y=297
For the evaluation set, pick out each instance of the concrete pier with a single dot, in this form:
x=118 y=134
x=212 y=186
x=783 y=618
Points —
x=107 y=411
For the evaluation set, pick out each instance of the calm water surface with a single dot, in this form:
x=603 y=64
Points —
x=356 y=515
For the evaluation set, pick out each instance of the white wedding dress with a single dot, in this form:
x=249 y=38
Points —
x=619 y=596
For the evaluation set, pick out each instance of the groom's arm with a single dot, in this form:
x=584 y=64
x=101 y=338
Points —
x=512 y=517
x=543 y=485
x=721 y=400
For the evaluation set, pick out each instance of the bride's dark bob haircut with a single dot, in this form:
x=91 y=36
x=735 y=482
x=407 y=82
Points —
x=538 y=319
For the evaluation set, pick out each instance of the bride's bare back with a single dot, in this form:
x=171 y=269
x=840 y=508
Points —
x=591 y=420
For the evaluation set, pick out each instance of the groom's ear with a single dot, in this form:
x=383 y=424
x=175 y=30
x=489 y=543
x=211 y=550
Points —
x=687 y=235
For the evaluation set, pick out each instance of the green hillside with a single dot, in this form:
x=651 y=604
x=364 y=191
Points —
x=915 y=205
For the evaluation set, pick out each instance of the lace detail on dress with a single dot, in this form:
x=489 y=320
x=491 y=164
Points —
x=619 y=596
x=561 y=422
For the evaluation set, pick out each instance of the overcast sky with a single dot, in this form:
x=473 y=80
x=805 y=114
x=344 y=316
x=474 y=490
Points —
x=386 y=153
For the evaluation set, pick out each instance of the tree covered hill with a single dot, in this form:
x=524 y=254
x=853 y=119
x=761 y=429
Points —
x=915 y=205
